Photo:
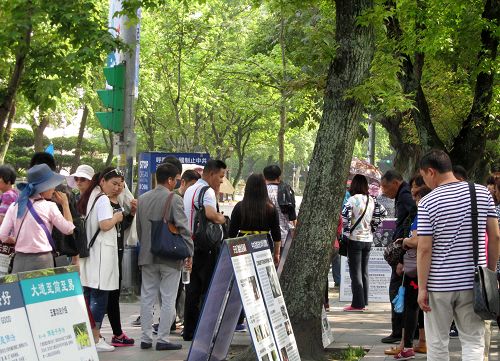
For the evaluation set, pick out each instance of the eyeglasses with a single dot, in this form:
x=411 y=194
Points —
x=80 y=179
x=116 y=171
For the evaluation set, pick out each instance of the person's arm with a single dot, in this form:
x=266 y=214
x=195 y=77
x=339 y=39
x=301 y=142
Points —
x=235 y=224
x=105 y=216
x=346 y=219
x=7 y=226
x=178 y=217
x=61 y=198
x=210 y=203
x=493 y=242
x=60 y=221
x=276 y=235
x=424 y=256
x=138 y=221
x=379 y=214
x=411 y=242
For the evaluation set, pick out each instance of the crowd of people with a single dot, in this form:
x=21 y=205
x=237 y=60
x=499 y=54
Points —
x=47 y=219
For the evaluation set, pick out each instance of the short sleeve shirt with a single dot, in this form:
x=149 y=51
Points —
x=103 y=208
x=6 y=199
x=445 y=214
x=191 y=197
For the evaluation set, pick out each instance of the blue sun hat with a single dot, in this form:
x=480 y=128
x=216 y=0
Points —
x=40 y=179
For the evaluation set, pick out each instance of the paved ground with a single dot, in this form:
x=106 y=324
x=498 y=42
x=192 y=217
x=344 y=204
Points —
x=355 y=329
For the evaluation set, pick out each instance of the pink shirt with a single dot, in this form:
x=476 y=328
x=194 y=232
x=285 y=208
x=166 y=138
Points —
x=32 y=238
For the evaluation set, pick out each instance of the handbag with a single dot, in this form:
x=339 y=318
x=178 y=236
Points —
x=207 y=236
x=166 y=242
x=393 y=253
x=410 y=262
x=486 y=297
x=344 y=240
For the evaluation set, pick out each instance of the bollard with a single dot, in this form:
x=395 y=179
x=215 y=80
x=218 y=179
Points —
x=130 y=275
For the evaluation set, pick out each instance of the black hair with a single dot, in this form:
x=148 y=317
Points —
x=392 y=175
x=418 y=180
x=438 y=160
x=359 y=185
x=272 y=172
x=43 y=158
x=459 y=172
x=8 y=174
x=166 y=171
x=490 y=180
x=174 y=161
x=190 y=175
x=423 y=191
x=106 y=174
x=256 y=206
x=214 y=165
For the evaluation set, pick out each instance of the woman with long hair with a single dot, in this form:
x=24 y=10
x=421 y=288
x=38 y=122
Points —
x=257 y=214
x=361 y=215
x=99 y=271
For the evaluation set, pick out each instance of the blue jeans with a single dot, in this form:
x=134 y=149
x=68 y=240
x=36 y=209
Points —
x=359 y=255
x=98 y=302
x=336 y=269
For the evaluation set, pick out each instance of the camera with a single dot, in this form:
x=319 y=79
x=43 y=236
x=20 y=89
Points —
x=116 y=210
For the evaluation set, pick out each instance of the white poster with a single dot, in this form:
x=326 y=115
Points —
x=379 y=273
x=275 y=303
x=5 y=258
x=16 y=342
x=58 y=316
x=253 y=303
x=327 y=334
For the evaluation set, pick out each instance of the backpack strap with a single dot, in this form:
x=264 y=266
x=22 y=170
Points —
x=93 y=204
x=42 y=224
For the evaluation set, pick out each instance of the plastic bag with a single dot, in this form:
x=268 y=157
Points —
x=399 y=300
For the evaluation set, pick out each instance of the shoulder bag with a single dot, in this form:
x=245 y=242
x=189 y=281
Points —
x=80 y=232
x=166 y=242
x=486 y=297
x=207 y=236
x=344 y=241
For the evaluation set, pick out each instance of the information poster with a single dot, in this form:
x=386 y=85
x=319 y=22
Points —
x=327 y=333
x=379 y=273
x=5 y=254
x=253 y=302
x=57 y=314
x=273 y=299
x=16 y=342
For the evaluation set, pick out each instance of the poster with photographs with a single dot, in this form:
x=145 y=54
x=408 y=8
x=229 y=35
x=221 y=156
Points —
x=252 y=299
x=327 y=333
x=383 y=235
x=16 y=342
x=379 y=273
x=6 y=252
x=274 y=300
x=58 y=316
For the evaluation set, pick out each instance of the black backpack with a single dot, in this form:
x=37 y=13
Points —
x=207 y=236
x=286 y=200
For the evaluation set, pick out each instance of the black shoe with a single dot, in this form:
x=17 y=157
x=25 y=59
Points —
x=391 y=339
x=163 y=346
x=187 y=337
x=146 y=345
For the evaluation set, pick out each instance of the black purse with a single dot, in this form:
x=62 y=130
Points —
x=166 y=242
x=344 y=240
x=486 y=297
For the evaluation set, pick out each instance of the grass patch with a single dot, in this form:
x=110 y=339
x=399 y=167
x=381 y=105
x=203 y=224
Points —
x=348 y=354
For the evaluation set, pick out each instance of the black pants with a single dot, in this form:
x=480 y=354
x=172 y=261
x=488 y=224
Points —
x=201 y=274
x=396 y=318
x=359 y=255
x=412 y=311
x=113 y=308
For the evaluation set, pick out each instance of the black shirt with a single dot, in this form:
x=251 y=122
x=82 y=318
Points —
x=404 y=207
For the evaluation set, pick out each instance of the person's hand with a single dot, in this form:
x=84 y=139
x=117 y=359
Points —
x=118 y=217
x=133 y=206
x=399 y=269
x=60 y=198
x=188 y=263
x=423 y=300
x=10 y=240
x=276 y=259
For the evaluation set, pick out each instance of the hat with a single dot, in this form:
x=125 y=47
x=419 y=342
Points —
x=83 y=171
x=40 y=179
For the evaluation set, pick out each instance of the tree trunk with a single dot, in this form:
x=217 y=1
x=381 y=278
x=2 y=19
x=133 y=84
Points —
x=15 y=78
x=79 y=141
x=283 y=115
x=38 y=131
x=108 y=139
x=306 y=269
x=6 y=133
x=296 y=178
x=469 y=146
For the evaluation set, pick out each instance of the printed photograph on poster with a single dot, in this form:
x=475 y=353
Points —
x=266 y=357
x=383 y=235
x=261 y=332
x=82 y=336
x=273 y=281
x=274 y=355
x=288 y=328
x=253 y=282
x=284 y=354
x=283 y=312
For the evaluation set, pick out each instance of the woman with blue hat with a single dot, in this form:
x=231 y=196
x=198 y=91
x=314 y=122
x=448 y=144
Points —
x=32 y=218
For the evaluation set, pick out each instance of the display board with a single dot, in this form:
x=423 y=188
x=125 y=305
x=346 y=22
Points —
x=254 y=279
x=149 y=161
x=6 y=252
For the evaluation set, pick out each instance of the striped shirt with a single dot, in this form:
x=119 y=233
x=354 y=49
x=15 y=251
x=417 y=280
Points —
x=445 y=214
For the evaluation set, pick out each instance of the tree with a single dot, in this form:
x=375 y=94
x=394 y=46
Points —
x=303 y=286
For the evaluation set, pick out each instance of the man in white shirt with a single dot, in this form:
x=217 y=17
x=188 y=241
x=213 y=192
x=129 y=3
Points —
x=203 y=261
x=445 y=261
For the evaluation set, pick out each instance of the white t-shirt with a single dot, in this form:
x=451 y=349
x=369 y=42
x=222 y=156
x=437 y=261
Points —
x=191 y=196
x=445 y=214
x=103 y=208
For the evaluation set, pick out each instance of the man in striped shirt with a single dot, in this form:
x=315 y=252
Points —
x=445 y=257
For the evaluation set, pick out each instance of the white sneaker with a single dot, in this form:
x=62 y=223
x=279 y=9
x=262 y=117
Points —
x=103 y=346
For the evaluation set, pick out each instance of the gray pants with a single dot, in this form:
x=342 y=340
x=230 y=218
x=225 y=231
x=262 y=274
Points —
x=24 y=262
x=165 y=279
